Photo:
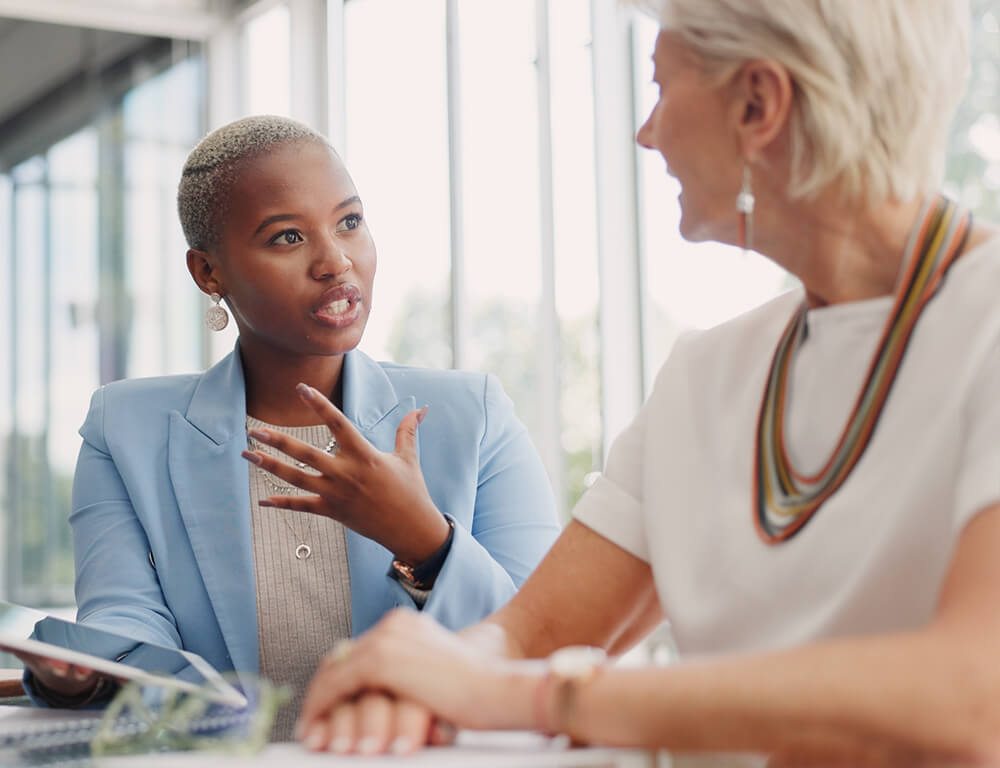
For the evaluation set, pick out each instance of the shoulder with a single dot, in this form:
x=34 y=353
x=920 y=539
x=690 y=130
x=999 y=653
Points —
x=130 y=405
x=438 y=384
x=724 y=352
x=155 y=391
x=461 y=402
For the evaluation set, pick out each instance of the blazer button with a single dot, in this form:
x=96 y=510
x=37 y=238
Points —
x=152 y=562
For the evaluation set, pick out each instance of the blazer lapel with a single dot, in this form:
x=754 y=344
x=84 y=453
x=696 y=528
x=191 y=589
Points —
x=212 y=487
x=370 y=402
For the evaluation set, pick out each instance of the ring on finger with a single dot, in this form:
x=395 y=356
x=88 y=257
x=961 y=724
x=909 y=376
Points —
x=340 y=651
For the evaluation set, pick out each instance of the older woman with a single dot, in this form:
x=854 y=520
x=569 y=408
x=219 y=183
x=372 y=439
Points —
x=811 y=495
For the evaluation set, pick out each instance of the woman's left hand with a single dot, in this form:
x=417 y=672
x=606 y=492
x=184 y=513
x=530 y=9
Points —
x=380 y=495
x=413 y=665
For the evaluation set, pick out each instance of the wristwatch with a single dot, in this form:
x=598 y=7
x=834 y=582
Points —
x=422 y=576
x=568 y=669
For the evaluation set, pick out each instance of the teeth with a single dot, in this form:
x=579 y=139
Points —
x=337 y=307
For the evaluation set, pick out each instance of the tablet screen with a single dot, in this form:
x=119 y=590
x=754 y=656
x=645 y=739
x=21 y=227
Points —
x=25 y=629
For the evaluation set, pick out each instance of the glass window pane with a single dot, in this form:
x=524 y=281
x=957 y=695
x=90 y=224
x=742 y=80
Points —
x=267 y=63
x=575 y=221
x=164 y=303
x=29 y=475
x=75 y=352
x=973 y=170
x=500 y=182
x=6 y=366
x=397 y=152
x=30 y=300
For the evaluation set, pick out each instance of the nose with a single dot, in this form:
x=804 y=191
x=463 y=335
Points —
x=644 y=135
x=332 y=262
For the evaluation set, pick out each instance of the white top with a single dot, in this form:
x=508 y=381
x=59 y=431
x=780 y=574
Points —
x=678 y=483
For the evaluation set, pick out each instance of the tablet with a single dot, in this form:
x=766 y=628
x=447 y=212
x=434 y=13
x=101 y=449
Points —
x=31 y=631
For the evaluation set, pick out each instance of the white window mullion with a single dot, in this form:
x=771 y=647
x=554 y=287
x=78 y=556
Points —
x=549 y=347
x=309 y=67
x=459 y=309
x=336 y=83
x=618 y=252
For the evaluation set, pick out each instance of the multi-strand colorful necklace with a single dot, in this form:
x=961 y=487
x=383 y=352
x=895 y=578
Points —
x=785 y=500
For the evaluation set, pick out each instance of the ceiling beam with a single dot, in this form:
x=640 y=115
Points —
x=185 y=20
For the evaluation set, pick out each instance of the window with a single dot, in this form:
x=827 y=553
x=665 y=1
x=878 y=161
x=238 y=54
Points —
x=93 y=266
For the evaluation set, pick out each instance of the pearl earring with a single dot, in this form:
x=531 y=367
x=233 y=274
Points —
x=745 y=202
x=216 y=317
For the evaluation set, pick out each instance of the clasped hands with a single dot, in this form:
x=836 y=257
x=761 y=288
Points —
x=409 y=682
x=379 y=495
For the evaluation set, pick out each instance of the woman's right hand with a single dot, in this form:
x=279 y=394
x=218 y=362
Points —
x=395 y=685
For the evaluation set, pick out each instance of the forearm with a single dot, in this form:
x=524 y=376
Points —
x=491 y=637
x=921 y=691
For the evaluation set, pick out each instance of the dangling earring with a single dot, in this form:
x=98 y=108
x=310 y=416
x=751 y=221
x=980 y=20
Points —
x=216 y=317
x=744 y=205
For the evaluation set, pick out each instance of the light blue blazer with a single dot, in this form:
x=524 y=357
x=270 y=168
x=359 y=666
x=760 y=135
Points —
x=161 y=504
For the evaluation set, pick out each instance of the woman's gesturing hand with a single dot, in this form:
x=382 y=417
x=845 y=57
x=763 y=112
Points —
x=420 y=674
x=380 y=495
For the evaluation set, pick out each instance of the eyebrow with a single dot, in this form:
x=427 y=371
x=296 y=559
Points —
x=289 y=216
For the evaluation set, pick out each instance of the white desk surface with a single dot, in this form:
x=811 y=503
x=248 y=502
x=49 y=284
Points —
x=474 y=750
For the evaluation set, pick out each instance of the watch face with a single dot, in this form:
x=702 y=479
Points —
x=575 y=660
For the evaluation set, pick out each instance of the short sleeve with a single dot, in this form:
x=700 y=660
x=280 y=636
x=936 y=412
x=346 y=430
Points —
x=978 y=485
x=612 y=506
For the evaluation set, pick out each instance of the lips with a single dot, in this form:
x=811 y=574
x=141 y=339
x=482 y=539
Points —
x=339 y=306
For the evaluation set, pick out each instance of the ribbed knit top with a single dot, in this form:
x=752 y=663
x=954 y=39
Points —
x=303 y=604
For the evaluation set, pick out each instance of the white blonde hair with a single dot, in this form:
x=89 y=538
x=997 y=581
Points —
x=212 y=168
x=876 y=81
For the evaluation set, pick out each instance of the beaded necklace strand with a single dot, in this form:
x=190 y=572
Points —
x=784 y=499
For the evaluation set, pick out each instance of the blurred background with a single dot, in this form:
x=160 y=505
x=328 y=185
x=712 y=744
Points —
x=519 y=230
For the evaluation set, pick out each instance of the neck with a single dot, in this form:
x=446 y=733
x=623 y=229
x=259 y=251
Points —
x=271 y=376
x=840 y=254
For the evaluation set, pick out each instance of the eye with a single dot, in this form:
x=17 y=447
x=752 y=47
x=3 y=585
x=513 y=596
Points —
x=287 y=237
x=349 y=222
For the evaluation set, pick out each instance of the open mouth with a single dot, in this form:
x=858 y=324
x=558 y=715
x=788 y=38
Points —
x=339 y=307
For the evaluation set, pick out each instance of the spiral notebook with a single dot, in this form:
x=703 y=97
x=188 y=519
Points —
x=60 y=738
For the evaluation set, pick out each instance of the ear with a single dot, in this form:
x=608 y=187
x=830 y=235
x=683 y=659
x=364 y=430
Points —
x=763 y=100
x=203 y=268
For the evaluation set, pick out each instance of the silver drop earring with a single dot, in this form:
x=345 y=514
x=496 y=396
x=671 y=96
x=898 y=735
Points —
x=216 y=317
x=745 y=202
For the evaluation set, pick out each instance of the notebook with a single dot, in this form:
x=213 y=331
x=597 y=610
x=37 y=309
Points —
x=30 y=631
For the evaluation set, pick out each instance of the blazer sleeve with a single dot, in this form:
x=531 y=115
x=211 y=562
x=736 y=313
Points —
x=116 y=584
x=513 y=525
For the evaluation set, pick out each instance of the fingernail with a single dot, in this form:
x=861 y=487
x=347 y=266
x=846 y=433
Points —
x=259 y=434
x=58 y=671
x=253 y=458
x=315 y=739
x=421 y=413
x=265 y=503
x=401 y=746
x=341 y=745
x=367 y=746
x=305 y=390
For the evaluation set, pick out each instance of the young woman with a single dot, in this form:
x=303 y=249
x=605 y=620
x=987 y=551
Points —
x=811 y=495
x=190 y=525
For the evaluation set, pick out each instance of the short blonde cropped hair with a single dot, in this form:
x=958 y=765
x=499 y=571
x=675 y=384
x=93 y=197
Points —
x=876 y=82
